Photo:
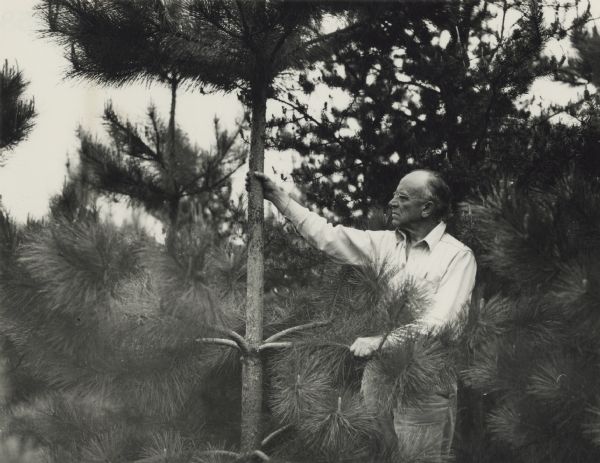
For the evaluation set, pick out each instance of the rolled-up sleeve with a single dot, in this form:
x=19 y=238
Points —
x=453 y=293
x=344 y=244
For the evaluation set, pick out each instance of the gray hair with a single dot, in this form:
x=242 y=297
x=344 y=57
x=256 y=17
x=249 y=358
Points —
x=439 y=191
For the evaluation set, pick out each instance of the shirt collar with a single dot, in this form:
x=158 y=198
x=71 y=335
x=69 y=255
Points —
x=432 y=238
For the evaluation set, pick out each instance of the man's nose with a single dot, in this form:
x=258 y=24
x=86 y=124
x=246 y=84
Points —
x=392 y=202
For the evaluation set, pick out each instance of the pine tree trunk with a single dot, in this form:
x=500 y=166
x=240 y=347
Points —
x=172 y=162
x=252 y=368
x=173 y=205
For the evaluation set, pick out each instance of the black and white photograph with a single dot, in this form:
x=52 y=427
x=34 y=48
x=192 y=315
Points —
x=299 y=231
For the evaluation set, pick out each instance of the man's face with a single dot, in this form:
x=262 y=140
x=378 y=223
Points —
x=410 y=204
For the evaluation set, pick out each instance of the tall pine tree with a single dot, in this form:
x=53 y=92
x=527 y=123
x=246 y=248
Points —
x=223 y=45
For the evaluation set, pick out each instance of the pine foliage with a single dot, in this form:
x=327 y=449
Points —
x=533 y=346
x=316 y=383
x=99 y=361
x=583 y=67
x=16 y=113
x=220 y=44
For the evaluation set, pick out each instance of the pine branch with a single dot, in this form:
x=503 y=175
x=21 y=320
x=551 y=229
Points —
x=154 y=121
x=275 y=345
x=305 y=114
x=338 y=426
x=280 y=42
x=267 y=440
x=109 y=174
x=195 y=191
x=243 y=20
x=260 y=454
x=330 y=36
x=239 y=340
x=219 y=341
x=568 y=109
x=217 y=452
x=132 y=138
x=421 y=86
x=295 y=329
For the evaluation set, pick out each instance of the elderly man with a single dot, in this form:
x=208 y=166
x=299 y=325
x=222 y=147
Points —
x=421 y=249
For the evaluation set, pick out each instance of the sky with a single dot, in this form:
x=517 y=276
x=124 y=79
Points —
x=35 y=170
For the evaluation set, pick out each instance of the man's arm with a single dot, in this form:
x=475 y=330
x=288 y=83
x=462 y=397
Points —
x=344 y=244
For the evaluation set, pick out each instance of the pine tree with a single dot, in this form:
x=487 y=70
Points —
x=16 y=121
x=192 y=185
x=532 y=346
x=16 y=114
x=224 y=45
x=578 y=138
x=100 y=368
x=529 y=348
x=583 y=68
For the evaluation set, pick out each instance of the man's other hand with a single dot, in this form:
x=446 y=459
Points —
x=270 y=188
x=365 y=347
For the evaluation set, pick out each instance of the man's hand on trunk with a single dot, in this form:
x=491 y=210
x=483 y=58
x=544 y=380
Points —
x=271 y=191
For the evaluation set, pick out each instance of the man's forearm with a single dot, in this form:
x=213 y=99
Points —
x=344 y=244
x=281 y=200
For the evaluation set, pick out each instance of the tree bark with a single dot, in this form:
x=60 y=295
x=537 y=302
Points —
x=173 y=204
x=252 y=368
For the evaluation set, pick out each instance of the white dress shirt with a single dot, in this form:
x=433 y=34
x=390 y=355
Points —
x=439 y=263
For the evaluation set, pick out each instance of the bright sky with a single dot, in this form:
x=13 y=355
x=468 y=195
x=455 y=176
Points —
x=35 y=169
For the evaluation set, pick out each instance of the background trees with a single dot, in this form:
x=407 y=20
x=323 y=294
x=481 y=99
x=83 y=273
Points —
x=440 y=85
x=16 y=121
x=534 y=323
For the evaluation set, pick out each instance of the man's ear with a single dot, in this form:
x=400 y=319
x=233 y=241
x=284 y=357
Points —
x=427 y=210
